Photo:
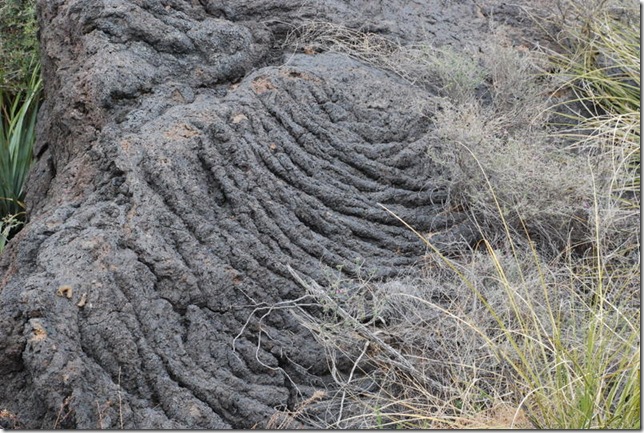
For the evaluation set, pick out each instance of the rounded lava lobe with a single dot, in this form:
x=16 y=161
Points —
x=177 y=175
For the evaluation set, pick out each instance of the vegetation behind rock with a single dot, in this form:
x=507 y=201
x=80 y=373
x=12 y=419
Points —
x=18 y=44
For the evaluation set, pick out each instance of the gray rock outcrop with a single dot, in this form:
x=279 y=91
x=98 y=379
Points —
x=185 y=158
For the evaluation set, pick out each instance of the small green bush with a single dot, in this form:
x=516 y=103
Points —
x=18 y=45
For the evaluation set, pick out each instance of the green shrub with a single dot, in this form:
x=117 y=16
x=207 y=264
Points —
x=18 y=45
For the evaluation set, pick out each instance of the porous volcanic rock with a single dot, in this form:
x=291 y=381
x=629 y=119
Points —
x=185 y=158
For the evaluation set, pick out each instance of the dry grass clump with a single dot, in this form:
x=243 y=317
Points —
x=599 y=64
x=442 y=70
x=395 y=366
x=534 y=182
x=505 y=162
x=538 y=324
x=553 y=342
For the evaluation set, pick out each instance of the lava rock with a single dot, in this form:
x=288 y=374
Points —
x=185 y=159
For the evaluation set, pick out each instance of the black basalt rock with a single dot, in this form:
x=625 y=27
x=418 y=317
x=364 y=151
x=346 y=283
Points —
x=184 y=161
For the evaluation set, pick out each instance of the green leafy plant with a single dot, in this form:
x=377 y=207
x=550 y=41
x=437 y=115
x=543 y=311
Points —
x=17 y=134
x=20 y=93
x=18 y=44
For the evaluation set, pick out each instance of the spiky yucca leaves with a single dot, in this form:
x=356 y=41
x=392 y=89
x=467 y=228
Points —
x=17 y=134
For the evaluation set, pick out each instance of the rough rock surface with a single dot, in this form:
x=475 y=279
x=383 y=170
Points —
x=186 y=158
